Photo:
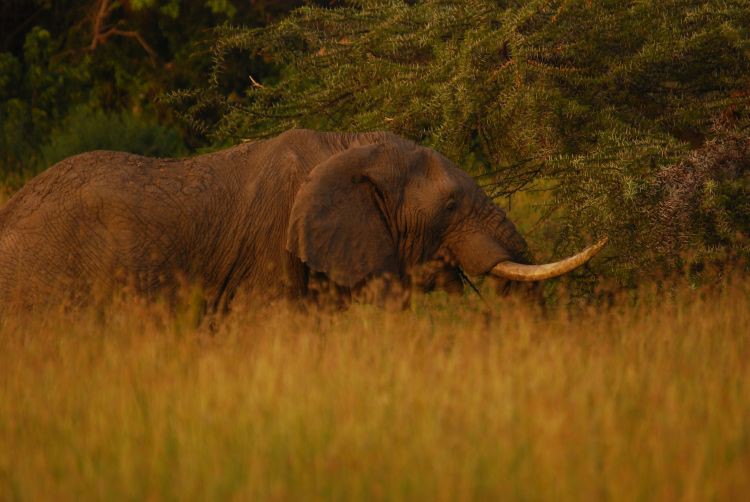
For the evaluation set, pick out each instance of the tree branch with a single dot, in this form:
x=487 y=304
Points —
x=100 y=34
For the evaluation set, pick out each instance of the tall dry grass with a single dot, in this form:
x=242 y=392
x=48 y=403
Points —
x=445 y=401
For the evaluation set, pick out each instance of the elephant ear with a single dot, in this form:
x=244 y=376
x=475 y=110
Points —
x=338 y=223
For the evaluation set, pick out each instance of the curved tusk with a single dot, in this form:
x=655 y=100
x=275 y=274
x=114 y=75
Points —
x=519 y=272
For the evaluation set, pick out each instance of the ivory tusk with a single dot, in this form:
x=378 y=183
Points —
x=520 y=272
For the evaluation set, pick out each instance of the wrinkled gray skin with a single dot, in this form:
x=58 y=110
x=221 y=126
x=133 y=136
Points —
x=281 y=217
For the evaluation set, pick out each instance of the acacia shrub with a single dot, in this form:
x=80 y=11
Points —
x=590 y=102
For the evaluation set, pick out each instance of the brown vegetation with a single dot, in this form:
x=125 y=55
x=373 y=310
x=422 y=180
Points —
x=647 y=400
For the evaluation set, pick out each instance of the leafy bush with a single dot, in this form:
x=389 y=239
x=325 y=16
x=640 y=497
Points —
x=85 y=130
x=590 y=101
x=34 y=94
x=105 y=54
x=703 y=208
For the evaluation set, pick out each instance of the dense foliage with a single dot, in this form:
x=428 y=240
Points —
x=591 y=105
x=111 y=57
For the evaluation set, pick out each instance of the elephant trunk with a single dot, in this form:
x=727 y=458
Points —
x=523 y=272
x=496 y=247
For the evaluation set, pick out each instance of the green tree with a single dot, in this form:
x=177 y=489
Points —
x=34 y=94
x=117 y=57
x=585 y=101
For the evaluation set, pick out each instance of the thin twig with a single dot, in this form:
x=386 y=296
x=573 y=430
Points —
x=100 y=34
x=256 y=83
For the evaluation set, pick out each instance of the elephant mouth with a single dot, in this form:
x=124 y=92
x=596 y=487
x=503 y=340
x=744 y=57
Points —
x=522 y=272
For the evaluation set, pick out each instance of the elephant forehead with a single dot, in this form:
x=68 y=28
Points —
x=437 y=166
x=433 y=186
x=441 y=177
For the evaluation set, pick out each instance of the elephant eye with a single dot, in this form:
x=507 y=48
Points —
x=451 y=205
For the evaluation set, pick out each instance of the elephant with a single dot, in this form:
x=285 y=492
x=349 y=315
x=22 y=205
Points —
x=285 y=217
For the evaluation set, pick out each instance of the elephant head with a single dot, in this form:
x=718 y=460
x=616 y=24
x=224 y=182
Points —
x=392 y=208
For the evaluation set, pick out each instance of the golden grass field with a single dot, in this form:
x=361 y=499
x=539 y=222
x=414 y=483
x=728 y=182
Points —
x=648 y=400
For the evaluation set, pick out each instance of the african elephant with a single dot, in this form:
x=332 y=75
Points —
x=271 y=217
